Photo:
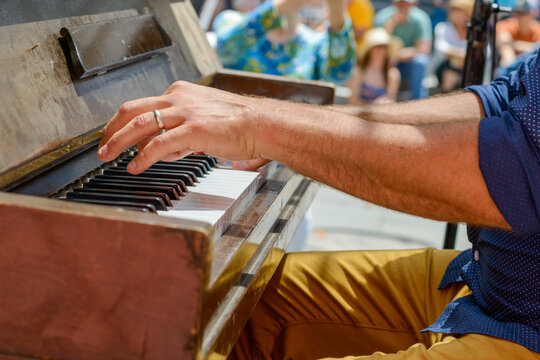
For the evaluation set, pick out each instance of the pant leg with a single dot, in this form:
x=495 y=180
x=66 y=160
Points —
x=467 y=347
x=413 y=72
x=332 y=304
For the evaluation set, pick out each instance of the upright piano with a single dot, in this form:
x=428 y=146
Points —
x=99 y=264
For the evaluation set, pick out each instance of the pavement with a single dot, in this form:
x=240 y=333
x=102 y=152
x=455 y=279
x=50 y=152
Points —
x=342 y=222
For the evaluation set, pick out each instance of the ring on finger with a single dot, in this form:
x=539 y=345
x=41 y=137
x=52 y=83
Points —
x=159 y=121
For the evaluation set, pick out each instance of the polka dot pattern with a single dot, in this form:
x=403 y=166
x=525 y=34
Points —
x=503 y=268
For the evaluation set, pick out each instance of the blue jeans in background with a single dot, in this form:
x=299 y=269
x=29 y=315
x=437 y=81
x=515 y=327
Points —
x=412 y=74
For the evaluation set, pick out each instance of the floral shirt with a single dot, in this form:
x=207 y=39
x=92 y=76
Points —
x=311 y=55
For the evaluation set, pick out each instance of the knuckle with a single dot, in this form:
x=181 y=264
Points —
x=160 y=141
x=139 y=122
x=113 y=142
x=126 y=107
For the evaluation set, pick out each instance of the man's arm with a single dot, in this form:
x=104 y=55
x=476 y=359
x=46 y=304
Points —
x=457 y=107
x=426 y=170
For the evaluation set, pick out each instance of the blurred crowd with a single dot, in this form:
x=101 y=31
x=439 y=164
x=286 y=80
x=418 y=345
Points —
x=383 y=52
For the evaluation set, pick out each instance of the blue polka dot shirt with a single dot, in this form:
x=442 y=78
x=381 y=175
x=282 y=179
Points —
x=503 y=268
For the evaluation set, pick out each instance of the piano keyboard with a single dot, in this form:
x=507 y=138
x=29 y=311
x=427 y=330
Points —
x=193 y=188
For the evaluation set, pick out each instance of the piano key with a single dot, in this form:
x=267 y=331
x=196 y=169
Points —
x=209 y=200
x=188 y=175
x=179 y=189
x=201 y=164
x=164 y=197
x=197 y=172
x=210 y=159
x=103 y=184
x=180 y=178
x=154 y=200
x=121 y=204
x=204 y=165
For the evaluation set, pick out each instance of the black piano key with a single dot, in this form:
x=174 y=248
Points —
x=201 y=164
x=193 y=171
x=179 y=189
x=188 y=177
x=101 y=184
x=154 y=200
x=121 y=204
x=164 y=197
x=156 y=176
x=210 y=159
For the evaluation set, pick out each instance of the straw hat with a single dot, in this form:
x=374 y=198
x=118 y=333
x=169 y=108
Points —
x=466 y=5
x=377 y=37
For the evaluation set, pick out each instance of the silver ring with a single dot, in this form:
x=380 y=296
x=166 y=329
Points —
x=159 y=121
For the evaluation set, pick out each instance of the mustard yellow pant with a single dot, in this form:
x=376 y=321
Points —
x=362 y=305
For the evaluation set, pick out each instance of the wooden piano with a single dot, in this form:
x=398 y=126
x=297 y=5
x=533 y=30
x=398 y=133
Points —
x=174 y=267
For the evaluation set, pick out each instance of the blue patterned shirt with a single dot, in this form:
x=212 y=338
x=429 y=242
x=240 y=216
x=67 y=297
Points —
x=311 y=55
x=503 y=268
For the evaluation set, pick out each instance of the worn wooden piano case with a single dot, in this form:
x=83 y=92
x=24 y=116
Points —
x=80 y=281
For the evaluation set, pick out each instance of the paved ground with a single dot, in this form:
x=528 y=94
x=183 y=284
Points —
x=342 y=222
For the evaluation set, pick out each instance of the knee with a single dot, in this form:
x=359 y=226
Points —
x=421 y=61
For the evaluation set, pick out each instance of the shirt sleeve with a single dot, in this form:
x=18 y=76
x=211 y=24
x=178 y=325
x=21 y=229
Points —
x=441 y=42
x=236 y=32
x=509 y=147
x=425 y=27
x=496 y=96
x=337 y=55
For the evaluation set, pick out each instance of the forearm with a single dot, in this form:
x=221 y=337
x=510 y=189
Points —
x=426 y=170
x=336 y=15
x=459 y=107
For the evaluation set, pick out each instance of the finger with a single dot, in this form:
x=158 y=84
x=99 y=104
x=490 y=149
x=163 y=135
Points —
x=171 y=142
x=177 y=155
x=135 y=131
x=250 y=165
x=129 y=110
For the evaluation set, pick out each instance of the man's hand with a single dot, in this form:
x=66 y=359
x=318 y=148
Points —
x=196 y=119
x=422 y=158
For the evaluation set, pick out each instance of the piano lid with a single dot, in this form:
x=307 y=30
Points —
x=57 y=90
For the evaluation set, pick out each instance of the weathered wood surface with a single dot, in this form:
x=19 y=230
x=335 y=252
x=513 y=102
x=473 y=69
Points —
x=44 y=106
x=278 y=87
x=83 y=282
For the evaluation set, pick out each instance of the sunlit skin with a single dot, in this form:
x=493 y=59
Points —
x=418 y=157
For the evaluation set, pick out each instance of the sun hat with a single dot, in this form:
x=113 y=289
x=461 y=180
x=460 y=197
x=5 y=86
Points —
x=376 y=37
x=466 y=5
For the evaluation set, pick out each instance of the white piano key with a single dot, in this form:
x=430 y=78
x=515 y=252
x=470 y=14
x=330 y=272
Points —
x=212 y=197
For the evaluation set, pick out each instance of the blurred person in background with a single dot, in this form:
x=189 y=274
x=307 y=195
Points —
x=412 y=25
x=272 y=40
x=439 y=12
x=376 y=79
x=362 y=15
x=450 y=44
x=517 y=36
x=314 y=15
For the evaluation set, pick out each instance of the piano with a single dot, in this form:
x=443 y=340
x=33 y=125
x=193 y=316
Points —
x=99 y=264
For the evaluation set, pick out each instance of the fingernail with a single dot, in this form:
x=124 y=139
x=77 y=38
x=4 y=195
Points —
x=103 y=151
x=132 y=165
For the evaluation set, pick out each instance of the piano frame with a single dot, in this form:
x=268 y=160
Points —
x=82 y=281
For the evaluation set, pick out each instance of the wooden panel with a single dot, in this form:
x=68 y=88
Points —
x=85 y=287
x=44 y=106
x=204 y=56
x=279 y=87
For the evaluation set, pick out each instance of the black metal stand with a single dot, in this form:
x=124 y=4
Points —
x=450 y=236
